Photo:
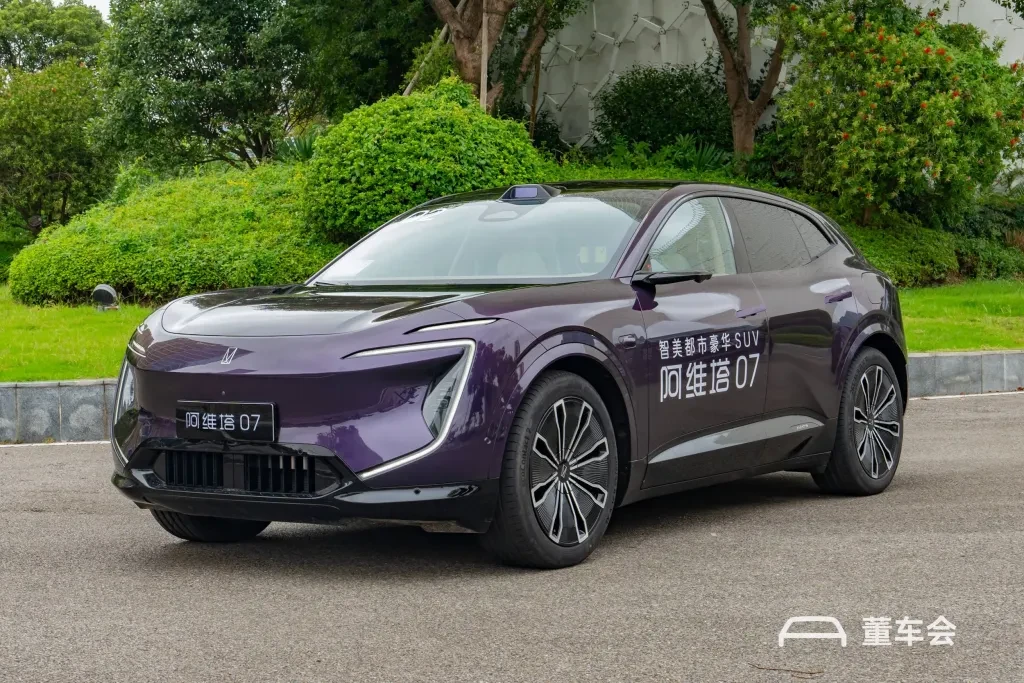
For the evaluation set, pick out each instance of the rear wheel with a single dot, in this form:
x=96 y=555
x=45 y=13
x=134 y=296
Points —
x=869 y=436
x=208 y=529
x=558 y=476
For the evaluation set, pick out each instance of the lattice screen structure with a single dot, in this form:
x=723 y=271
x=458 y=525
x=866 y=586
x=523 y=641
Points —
x=604 y=41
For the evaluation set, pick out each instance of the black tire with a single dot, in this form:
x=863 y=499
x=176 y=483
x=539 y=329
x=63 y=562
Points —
x=208 y=529
x=869 y=439
x=585 y=473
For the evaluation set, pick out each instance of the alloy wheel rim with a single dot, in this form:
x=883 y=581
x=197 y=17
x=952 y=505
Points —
x=569 y=471
x=876 y=422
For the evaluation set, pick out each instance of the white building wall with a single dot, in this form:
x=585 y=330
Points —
x=611 y=36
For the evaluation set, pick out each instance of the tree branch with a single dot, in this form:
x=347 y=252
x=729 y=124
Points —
x=771 y=79
x=724 y=47
x=743 y=40
x=538 y=36
x=449 y=15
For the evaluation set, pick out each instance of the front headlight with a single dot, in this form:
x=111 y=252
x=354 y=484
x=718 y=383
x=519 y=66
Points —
x=124 y=402
x=125 y=396
x=441 y=393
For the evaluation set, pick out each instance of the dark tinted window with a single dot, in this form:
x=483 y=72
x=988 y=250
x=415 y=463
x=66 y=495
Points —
x=816 y=242
x=770 y=236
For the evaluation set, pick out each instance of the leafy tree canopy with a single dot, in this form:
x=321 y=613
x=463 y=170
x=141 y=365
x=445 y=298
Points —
x=355 y=53
x=200 y=80
x=37 y=33
x=50 y=169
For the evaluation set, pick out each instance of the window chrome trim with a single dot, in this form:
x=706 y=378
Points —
x=469 y=353
x=455 y=326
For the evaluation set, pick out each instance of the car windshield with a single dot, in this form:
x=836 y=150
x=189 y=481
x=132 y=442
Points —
x=572 y=236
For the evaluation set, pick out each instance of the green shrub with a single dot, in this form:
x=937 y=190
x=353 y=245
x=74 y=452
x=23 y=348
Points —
x=654 y=105
x=203 y=232
x=383 y=159
x=900 y=118
x=988 y=259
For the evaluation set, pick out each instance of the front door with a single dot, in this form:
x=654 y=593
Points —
x=706 y=349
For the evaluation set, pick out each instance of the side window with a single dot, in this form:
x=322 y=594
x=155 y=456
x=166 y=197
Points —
x=816 y=242
x=771 y=237
x=697 y=236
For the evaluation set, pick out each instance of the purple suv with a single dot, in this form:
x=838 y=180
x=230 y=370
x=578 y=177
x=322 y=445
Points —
x=518 y=363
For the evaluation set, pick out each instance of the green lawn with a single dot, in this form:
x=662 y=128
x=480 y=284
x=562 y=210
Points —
x=972 y=316
x=62 y=342
x=78 y=342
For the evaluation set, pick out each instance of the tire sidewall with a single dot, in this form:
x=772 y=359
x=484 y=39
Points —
x=562 y=385
x=846 y=446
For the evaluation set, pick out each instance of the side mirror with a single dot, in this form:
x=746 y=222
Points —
x=654 y=279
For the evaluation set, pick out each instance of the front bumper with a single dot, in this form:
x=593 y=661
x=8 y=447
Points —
x=286 y=483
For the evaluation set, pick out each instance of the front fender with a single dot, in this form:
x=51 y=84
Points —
x=541 y=358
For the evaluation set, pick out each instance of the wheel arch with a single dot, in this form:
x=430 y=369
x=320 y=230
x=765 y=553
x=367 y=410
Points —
x=877 y=336
x=605 y=374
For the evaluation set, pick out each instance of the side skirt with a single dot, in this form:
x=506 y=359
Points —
x=803 y=463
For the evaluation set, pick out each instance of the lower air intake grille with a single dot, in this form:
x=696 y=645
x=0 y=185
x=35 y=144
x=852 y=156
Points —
x=194 y=470
x=253 y=474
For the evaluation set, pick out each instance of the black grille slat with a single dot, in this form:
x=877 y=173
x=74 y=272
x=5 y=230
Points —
x=248 y=473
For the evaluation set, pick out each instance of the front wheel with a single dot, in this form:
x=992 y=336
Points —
x=208 y=529
x=869 y=436
x=558 y=477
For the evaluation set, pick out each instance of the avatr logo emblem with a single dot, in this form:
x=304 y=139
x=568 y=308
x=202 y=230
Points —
x=229 y=356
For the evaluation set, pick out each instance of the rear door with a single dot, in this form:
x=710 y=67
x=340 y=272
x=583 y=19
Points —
x=802 y=277
x=705 y=349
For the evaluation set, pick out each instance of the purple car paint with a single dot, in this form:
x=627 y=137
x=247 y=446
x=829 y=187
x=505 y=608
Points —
x=710 y=377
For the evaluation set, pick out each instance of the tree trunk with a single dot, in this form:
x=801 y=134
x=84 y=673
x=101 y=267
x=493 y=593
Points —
x=467 y=36
x=744 y=123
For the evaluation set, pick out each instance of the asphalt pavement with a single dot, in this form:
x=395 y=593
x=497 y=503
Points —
x=692 y=587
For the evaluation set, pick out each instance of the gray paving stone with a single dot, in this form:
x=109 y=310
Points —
x=993 y=372
x=38 y=412
x=921 y=375
x=81 y=411
x=957 y=374
x=8 y=414
x=1013 y=364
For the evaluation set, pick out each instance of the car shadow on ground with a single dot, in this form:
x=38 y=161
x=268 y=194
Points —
x=380 y=549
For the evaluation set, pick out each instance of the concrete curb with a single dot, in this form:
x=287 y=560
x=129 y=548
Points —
x=977 y=372
x=39 y=412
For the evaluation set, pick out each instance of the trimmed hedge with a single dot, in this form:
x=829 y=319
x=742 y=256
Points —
x=237 y=229
x=385 y=158
x=214 y=230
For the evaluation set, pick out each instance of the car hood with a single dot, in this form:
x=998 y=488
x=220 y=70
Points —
x=303 y=311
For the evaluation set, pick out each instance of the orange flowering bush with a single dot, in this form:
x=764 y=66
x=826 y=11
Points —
x=915 y=116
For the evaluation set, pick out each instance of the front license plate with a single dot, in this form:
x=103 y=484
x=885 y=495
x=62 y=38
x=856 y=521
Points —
x=226 y=421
